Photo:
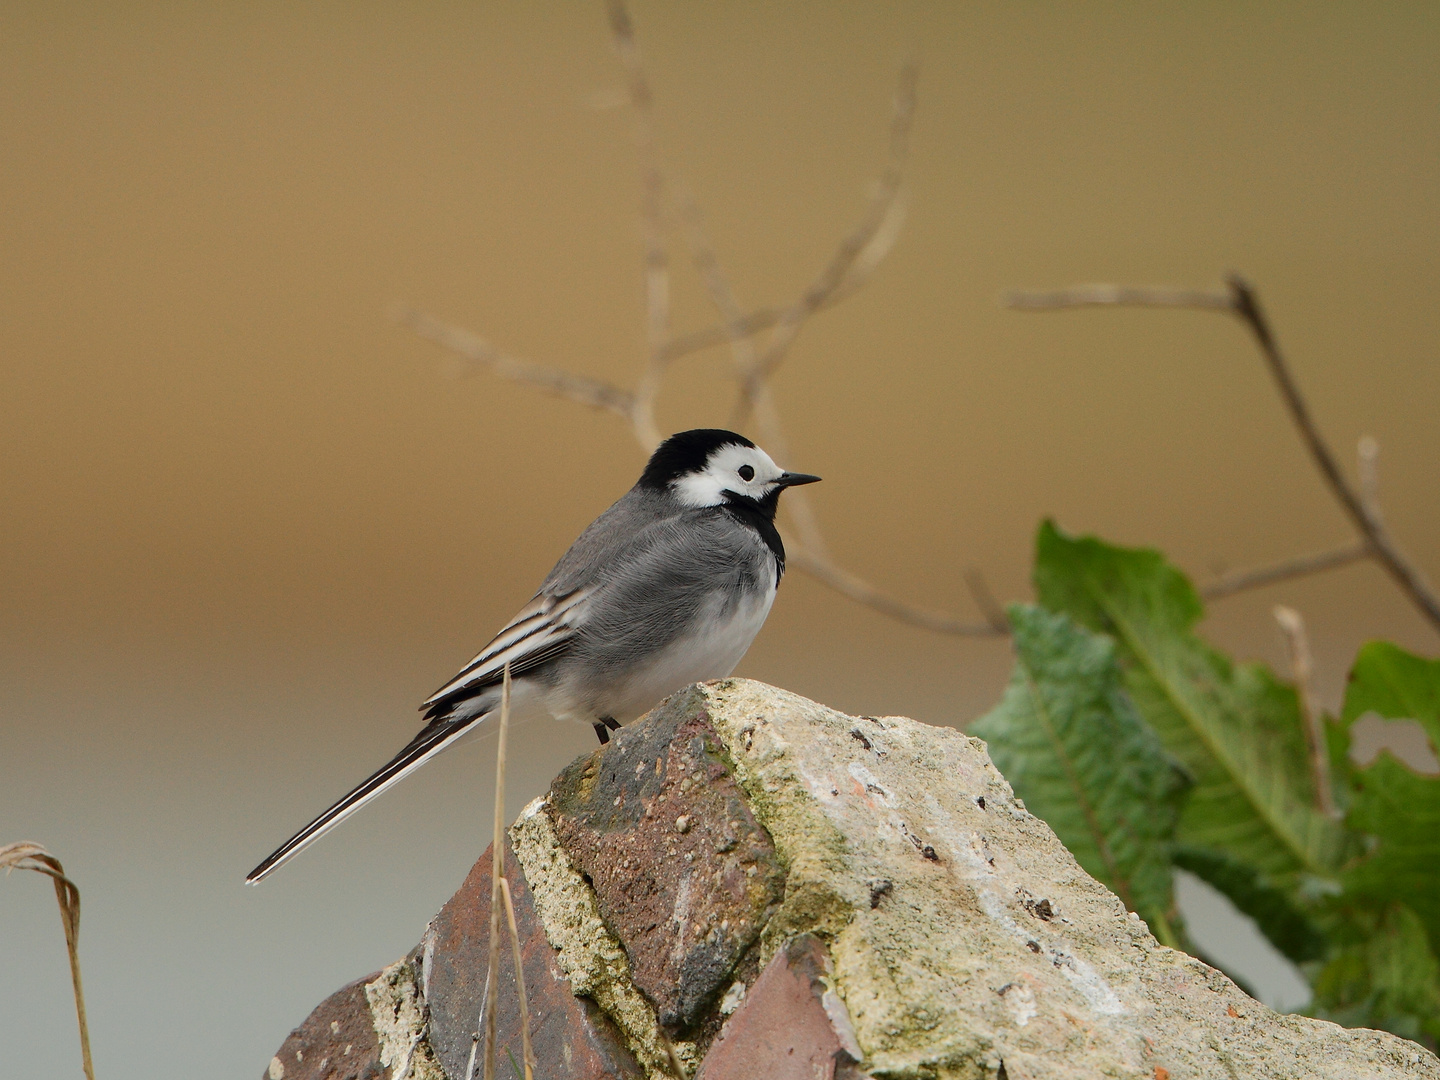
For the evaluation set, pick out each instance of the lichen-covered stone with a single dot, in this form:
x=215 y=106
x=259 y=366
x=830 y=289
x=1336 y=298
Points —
x=682 y=873
x=991 y=947
x=588 y=953
x=397 y=1011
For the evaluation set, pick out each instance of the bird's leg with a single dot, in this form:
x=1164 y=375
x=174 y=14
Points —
x=610 y=722
x=604 y=726
x=604 y=734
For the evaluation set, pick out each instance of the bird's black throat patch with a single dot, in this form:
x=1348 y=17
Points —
x=760 y=516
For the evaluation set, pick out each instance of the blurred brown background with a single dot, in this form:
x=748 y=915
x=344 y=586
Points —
x=246 y=523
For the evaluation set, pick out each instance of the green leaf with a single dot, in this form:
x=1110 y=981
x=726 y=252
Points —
x=1071 y=745
x=1388 y=979
x=1397 y=806
x=1236 y=728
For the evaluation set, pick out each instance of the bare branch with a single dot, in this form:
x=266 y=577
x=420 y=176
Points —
x=1303 y=669
x=754 y=323
x=742 y=346
x=858 y=253
x=1362 y=509
x=657 y=259
x=847 y=584
x=1301 y=566
x=986 y=602
x=1367 y=460
x=476 y=350
x=854 y=261
x=1408 y=576
x=1117 y=296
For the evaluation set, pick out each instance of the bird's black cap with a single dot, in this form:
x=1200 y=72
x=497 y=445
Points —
x=686 y=452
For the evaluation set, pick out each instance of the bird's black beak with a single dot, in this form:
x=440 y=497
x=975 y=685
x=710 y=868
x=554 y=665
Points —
x=794 y=479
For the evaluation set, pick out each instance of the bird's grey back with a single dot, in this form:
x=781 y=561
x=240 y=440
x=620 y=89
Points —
x=642 y=555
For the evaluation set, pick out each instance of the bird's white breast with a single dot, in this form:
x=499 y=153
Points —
x=718 y=638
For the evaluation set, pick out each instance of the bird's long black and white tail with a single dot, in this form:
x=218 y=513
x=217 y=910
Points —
x=436 y=736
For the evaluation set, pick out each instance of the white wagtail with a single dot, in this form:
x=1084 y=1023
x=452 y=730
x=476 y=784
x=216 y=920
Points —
x=667 y=587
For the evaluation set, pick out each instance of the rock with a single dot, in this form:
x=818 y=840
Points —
x=683 y=874
x=752 y=884
x=336 y=1042
x=791 y=1025
x=453 y=957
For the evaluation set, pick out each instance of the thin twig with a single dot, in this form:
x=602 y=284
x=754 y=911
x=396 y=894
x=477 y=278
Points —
x=858 y=252
x=557 y=381
x=527 y=1051
x=986 y=602
x=1371 y=525
x=1243 y=302
x=1367 y=460
x=1301 y=566
x=497 y=876
x=1117 y=296
x=657 y=262
x=1303 y=669
x=754 y=323
x=25 y=855
x=742 y=345
x=847 y=584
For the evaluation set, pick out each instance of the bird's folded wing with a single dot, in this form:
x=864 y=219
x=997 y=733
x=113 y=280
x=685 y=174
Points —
x=539 y=632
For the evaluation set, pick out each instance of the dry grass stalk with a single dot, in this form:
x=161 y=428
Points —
x=1302 y=667
x=25 y=855
x=676 y=1065
x=657 y=259
x=527 y=1051
x=497 y=875
x=1359 y=504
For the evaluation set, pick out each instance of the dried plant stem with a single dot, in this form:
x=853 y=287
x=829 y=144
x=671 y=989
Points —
x=676 y=1065
x=1362 y=513
x=25 y=855
x=527 y=1051
x=1117 y=296
x=858 y=253
x=847 y=584
x=1300 y=566
x=986 y=602
x=1242 y=301
x=476 y=350
x=497 y=878
x=657 y=261
x=1302 y=668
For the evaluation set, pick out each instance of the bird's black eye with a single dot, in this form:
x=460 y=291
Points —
x=746 y=473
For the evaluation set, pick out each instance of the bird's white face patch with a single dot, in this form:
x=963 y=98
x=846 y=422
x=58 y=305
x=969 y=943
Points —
x=741 y=470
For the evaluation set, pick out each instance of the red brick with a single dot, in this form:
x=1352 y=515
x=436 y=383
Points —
x=782 y=1030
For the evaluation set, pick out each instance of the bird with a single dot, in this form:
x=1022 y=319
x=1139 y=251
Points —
x=667 y=587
